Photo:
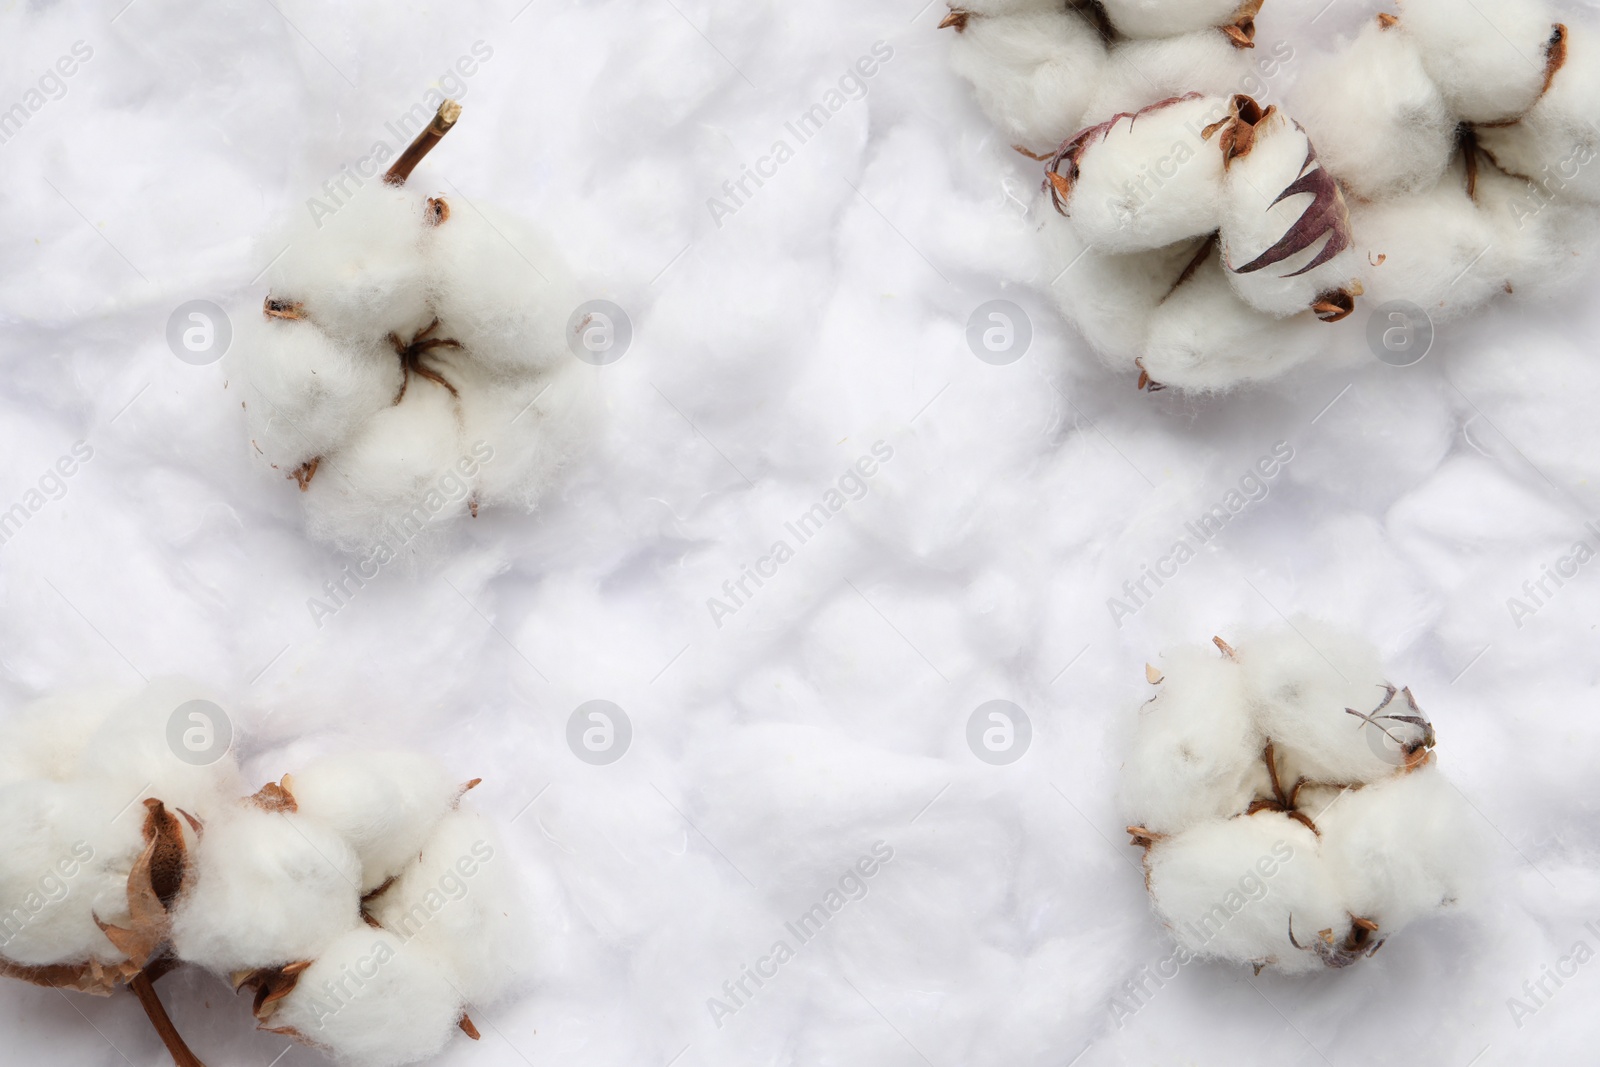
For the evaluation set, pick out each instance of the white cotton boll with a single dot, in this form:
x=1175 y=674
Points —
x=373 y=1002
x=1556 y=143
x=461 y=902
x=1487 y=58
x=1205 y=338
x=1109 y=298
x=1302 y=680
x=1229 y=889
x=303 y=393
x=528 y=430
x=385 y=804
x=69 y=848
x=1379 y=122
x=44 y=739
x=1148 y=180
x=387 y=483
x=1033 y=72
x=359 y=272
x=1196 y=751
x=1168 y=18
x=270 y=888
x=167 y=741
x=1401 y=848
x=1541 y=242
x=1433 y=249
x=1257 y=217
x=501 y=289
x=1140 y=73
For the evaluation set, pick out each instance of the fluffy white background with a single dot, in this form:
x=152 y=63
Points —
x=770 y=753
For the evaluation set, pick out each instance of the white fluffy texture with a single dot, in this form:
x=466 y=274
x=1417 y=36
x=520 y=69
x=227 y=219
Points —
x=1205 y=887
x=1401 y=848
x=45 y=739
x=1013 y=507
x=1381 y=123
x=1150 y=179
x=1487 y=59
x=1556 y=143
x=1392 y=844
x=1165 y=18
x=323 y=388
x=384 y=803
x=451 y=903
x=1301 y=681
x=270 y=888
x=1433 y=249
x=1204 y=338
x=1254 y=219
x=373 y=1000
x=1033 y=71
x=1194 y=751
x=69 y=847
x=1139 y=73
x=1110 y=298
x=131 y=751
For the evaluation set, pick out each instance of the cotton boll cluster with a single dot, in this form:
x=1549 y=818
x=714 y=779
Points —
x=1289 y=803
x=1226 y=202
x=410 y=365
x=1043 y=69
x=1442 y=158
x=1463 y=134
x=360 y=903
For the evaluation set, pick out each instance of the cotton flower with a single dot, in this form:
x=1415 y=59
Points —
x=358 y=903
x=1289 y=802
x=410 y=364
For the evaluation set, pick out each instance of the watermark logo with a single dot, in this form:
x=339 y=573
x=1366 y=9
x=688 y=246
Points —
x=1399 y=333
x=999 y=732
x=599 y=333
x=599 y=732
x=199 y=733
x=999 y=332
x=199 y=332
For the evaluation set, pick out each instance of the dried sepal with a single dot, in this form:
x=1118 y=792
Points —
x=283 y=309
x=1327 y=216
x=468 y=1028
x=270 y=985
x=1357 y=945
x=1152 y=675
x=957 y=20
x=1335 y=304
x=94 y=978
x=1387 y=21
x=276 y=796
x=1242 y=30
x=1238 y=128
x=157 y=877
x=305 y=472
x=411 y=354
x=1555 y=56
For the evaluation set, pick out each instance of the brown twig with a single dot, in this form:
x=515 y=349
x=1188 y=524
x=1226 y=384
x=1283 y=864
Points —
x=145 y=990
x=449 y=112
